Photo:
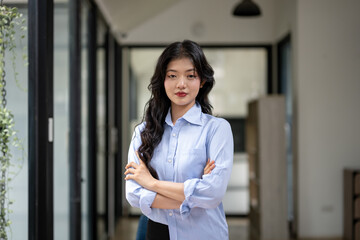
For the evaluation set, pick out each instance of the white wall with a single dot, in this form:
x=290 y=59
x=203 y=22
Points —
x=206 y=21
x=328 y=81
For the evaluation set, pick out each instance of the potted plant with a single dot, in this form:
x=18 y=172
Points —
x=11 y=22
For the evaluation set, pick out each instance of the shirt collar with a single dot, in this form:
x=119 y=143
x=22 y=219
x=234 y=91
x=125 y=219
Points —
x=193 y=115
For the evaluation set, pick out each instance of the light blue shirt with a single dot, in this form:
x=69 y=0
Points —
x=181 y=157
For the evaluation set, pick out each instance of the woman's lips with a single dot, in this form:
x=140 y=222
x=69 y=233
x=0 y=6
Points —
x=181 y=94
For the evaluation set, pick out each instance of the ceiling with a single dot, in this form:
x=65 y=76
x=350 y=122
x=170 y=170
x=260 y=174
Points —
x=124 y=15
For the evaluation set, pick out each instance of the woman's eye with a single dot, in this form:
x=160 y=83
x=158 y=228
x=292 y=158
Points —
x=191 y=76
x=172 y=76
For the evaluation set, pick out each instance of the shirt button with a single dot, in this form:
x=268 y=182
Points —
x=174 y=134
x=169 y=160
x=170 y=214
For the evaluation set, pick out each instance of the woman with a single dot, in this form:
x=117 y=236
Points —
x=170 y=149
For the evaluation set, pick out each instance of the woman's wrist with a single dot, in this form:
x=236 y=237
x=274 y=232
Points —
x=152 y=185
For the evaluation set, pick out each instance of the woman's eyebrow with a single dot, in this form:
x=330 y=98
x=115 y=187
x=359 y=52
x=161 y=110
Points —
x=189 y=70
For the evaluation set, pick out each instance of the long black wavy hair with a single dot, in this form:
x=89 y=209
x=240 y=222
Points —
x=157 y=107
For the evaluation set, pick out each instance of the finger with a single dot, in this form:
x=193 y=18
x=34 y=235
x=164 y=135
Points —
x=208 y=163
x=132 y=165
x=209 y=167
x=207 y=171
x=129 y=170
x=129 y=177
x=206 y=168
x=137 y=154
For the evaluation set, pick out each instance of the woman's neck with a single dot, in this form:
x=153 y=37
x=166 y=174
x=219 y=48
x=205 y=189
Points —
x=179 y=111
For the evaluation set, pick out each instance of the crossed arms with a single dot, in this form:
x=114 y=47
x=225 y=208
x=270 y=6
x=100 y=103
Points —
x=170 y=195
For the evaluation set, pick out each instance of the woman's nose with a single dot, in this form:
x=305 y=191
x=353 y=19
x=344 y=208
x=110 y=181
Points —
x=181 y=83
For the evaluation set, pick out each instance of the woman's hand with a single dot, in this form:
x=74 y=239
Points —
x=139 y=173
x=210 y=165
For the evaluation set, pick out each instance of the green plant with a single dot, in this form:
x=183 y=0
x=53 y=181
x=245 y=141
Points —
x=11 y=22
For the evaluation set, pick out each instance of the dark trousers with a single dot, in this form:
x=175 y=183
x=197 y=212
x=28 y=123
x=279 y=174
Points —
x=142 y=228
x=157 y=231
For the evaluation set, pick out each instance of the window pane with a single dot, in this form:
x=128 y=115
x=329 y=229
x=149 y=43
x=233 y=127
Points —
x=61 y=123
x=240 y=76
x=84 y=121
x=101 y=135
x=17 y=103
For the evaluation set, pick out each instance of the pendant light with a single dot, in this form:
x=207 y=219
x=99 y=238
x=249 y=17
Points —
x=247 y=8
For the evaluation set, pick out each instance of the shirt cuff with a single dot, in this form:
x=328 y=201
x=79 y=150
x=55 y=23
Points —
x=146 y=199
x=189 y=188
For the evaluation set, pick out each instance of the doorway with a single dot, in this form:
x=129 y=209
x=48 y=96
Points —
x=285 y=87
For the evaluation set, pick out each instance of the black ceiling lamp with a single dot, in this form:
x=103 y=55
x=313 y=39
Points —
x=247 y=8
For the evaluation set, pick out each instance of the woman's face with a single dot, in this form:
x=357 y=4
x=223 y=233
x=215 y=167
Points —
x=181 y=83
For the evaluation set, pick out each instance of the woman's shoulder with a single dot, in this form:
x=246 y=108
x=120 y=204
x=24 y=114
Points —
x=138 y=129
x=214 y=120
x=215 y=124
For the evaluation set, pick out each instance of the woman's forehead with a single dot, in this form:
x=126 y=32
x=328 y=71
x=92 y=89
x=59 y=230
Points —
x=184 y=64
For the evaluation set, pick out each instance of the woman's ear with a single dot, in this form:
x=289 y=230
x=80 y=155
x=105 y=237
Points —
x=202 y=83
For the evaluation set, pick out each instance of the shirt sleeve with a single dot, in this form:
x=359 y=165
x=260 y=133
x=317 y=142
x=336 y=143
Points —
x=136 y=195
x=209 y=191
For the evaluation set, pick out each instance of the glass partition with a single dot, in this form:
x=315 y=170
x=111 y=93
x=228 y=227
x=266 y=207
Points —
x=17 y=103
x=61 y=122
x=101 y=130
x=84 y=120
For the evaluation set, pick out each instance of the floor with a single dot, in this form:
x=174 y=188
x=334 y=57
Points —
x=126 y=228
x=238 y=229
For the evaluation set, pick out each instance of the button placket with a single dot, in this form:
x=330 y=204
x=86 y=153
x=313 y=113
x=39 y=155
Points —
x=172 y=149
